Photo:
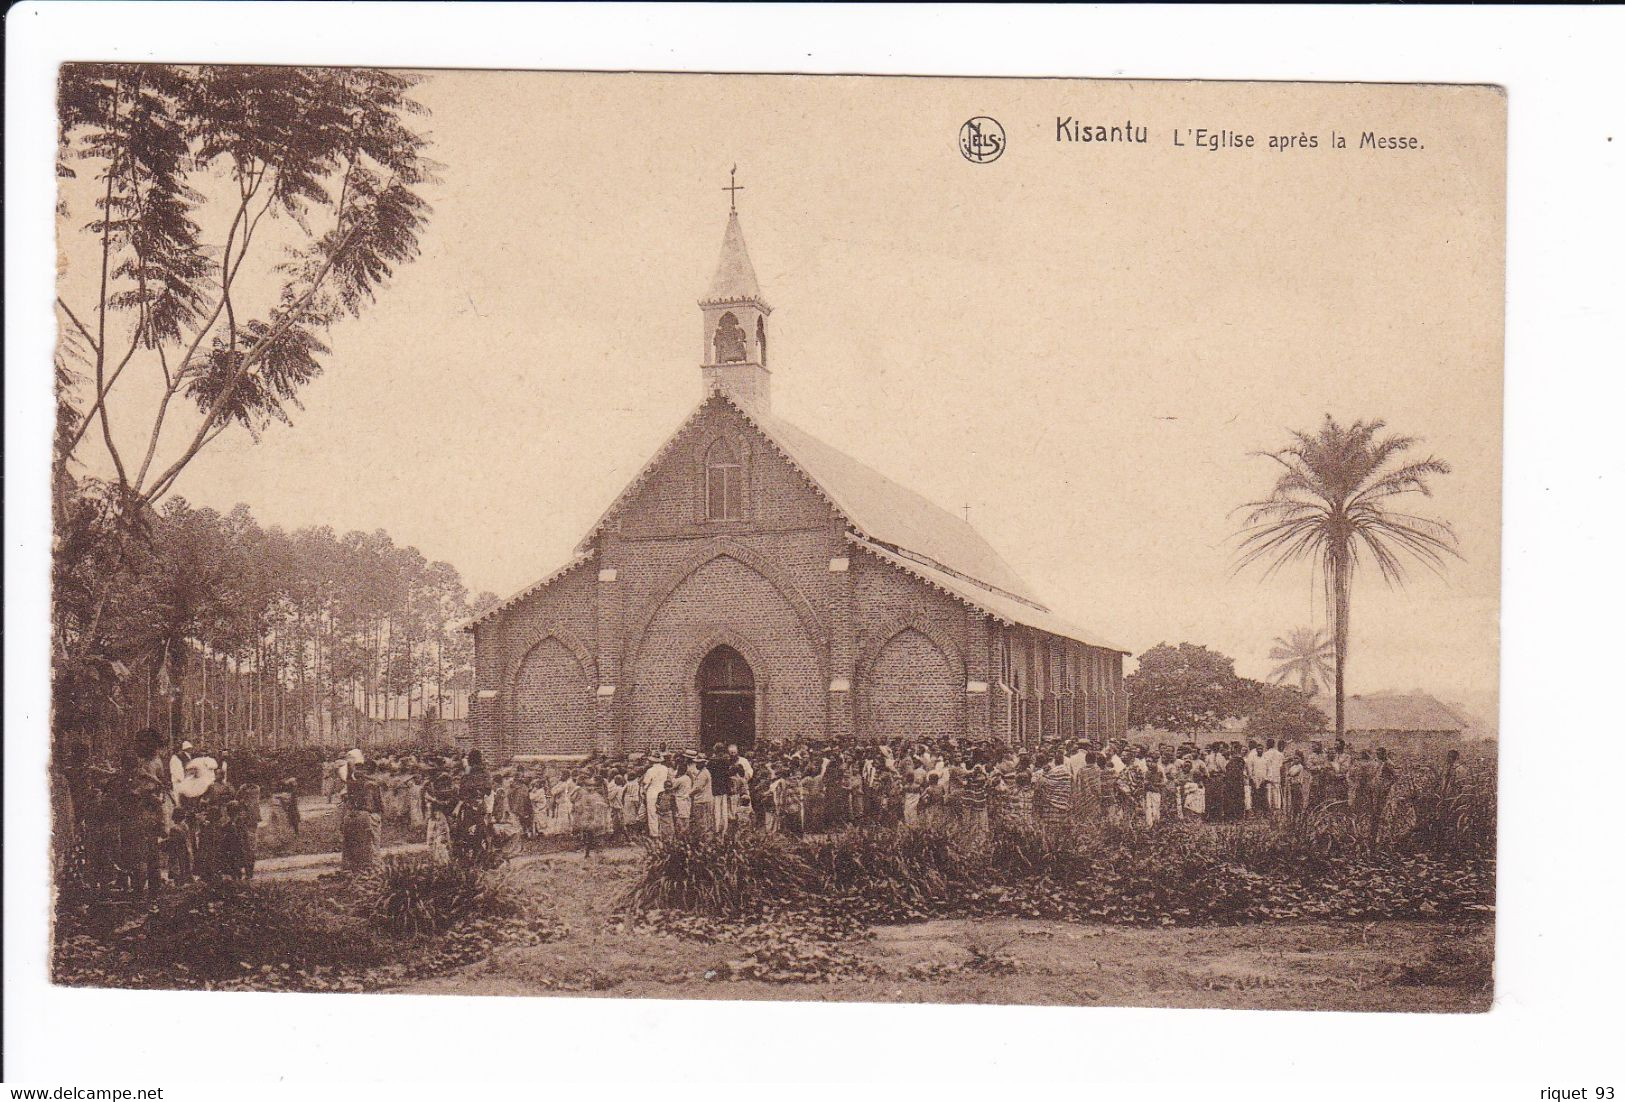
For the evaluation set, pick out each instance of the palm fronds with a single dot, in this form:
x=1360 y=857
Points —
x=1333 y=505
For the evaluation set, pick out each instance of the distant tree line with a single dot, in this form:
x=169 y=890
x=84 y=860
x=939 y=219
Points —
x=237 y=634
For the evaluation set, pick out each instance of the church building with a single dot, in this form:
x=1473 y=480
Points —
x=755 y=583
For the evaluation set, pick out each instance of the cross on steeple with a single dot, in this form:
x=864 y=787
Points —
x=732 y=187
x=967 y=513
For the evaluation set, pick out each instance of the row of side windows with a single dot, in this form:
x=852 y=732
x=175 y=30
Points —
x=1062 y=669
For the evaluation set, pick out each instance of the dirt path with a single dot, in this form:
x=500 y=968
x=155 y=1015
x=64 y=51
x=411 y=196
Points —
x=1413 y=966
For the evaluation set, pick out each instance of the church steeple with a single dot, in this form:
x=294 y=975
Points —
x=735 y=317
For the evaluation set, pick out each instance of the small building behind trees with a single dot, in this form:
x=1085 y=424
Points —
x=1394 y=719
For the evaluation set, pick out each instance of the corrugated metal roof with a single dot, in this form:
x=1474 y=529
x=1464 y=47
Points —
x=999 y=605
x=892 y=514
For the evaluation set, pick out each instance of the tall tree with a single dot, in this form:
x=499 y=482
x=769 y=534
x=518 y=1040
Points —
x=1302 y=655
x=239 y=212
x=1335 y=503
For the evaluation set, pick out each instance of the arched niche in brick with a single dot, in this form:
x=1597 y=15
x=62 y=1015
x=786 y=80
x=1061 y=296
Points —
x=566 y=639
x=911 y=683
x=551 y=698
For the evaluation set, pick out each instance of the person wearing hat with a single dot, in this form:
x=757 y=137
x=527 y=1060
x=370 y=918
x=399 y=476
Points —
x=655 y=780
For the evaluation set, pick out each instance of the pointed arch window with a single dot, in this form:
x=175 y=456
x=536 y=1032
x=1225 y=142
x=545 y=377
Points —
x=761 y=342
x=724 y=483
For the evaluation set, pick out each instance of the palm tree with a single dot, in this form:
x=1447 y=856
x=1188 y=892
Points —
x=1302 y=655
x=1332 y=504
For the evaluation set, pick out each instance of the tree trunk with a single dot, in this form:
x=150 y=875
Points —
x=1340 y=632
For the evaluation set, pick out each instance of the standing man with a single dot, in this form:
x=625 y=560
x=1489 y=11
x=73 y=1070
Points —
x=655 y=779
x=742 y=773
x=722 y=787
x=1271 y=766
x=682 y=797
x=1253 y=797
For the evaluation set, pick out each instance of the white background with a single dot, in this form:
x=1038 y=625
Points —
x=1555 y=1021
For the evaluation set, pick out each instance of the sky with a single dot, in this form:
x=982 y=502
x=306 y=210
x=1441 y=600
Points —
x=1084 y=343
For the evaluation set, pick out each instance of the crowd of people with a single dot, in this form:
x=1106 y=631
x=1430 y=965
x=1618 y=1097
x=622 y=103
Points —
x=175 y=816
x=811 y=788
x=157 y=817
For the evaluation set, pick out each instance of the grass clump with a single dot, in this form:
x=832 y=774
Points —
x=413 y=896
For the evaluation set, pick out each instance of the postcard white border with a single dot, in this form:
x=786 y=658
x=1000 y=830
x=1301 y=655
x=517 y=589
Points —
x=1558 y=960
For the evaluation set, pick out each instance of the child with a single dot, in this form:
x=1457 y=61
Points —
x=590 y=815
x=632 y=817
x=616 y=795
x=541 y=806
x=787 y=801
x=933 y=807
x=762 y=801
x=286 y=798
x=248 y=824
x=812 y=800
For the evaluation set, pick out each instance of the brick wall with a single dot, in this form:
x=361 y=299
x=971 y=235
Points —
x=606 y=656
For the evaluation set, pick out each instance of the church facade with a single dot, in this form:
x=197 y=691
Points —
x=753 y=582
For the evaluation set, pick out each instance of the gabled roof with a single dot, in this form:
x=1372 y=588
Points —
x=1393 y=712
x=735 y=280
x=886 y=519
x=878 y=508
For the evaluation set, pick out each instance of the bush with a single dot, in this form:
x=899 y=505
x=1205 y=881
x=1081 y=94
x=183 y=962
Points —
x=1181 y=874
x=720 y=874
x=909 y=867
x=409 y=896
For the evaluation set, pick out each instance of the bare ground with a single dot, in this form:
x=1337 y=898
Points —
x=1387 y=966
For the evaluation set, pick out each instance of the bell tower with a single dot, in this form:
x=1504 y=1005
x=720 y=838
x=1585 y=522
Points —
x=735 y=319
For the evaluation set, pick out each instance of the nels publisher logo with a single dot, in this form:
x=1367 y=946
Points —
x=981 y=140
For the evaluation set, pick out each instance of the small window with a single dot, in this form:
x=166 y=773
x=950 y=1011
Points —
x=724 y=483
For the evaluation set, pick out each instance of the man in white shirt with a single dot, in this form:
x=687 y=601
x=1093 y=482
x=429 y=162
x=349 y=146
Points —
x=1253 y=765
x=1271 y=764
x=654 y=783
x=1075 y=761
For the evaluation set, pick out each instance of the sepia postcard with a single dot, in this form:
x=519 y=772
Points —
x=768 y=537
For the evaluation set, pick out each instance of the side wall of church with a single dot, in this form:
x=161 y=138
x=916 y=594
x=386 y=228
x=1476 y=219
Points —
x=1047 y=686
x=539 y=658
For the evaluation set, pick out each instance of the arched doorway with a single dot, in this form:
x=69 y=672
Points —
x=727 y=699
